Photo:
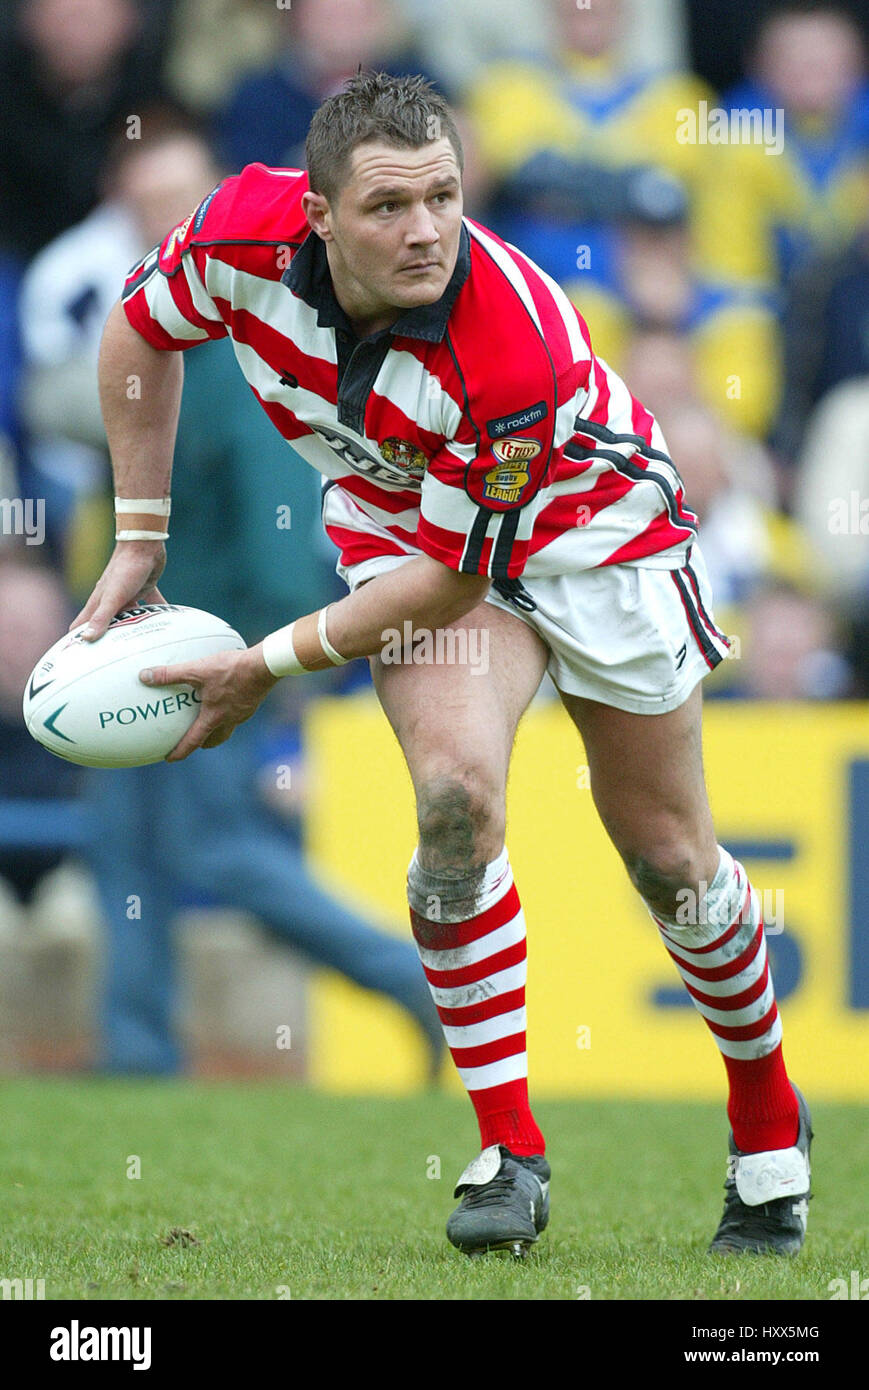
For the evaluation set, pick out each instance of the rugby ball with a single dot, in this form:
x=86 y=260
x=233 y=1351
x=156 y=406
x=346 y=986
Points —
x=84 y=700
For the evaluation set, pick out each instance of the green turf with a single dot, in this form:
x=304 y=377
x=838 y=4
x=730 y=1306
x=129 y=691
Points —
x=288 y=1193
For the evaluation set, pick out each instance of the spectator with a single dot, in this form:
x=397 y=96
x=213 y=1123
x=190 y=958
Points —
x=650 y=281
x=214 y=42
x=74 y=70
x=826 y=335
x=150 y=183
x=33 y=611
x=661 y=368
x=267 y=118
x=571 y=139
x=10 y=372
x=461 y=38
x=832 y=488
x=202 y=826
x=721 y=37
x=792 y=649
x=744 y=540
x=768 y=212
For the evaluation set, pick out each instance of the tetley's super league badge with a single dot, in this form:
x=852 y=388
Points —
x=508 y=480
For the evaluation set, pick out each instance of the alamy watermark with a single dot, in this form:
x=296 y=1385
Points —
x=717 y=125
x=23 y=516
x=463 y=646
x=24 y=1289
x=77 y=1343
x=855 y=1287
x=848 y=516
x=693 y=910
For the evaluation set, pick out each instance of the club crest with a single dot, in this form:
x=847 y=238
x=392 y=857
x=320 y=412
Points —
x=404 y=455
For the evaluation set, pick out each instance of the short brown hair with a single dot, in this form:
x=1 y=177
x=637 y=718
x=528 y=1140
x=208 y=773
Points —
x=404 y=111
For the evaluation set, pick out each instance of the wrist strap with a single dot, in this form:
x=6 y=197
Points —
x=330 y=651
x=279 y=654
x=143 y=510
x=143 y=506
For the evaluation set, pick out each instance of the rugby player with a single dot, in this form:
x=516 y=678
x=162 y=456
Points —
x=482 y=470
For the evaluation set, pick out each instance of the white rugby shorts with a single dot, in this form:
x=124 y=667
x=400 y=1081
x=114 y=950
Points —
x=629 y=636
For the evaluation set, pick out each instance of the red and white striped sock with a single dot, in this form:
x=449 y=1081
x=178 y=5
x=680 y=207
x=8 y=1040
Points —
x=471 y=941
x=722 y=958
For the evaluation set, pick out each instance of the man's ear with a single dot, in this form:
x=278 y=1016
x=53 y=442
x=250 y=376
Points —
x=316 y=208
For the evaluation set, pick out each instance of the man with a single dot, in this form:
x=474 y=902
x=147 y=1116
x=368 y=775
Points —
x=70 y=73
x=447 y=390
x=210 y=833
x=318 y=47
x=67 y=291
x=585 y=141
x=765 y=219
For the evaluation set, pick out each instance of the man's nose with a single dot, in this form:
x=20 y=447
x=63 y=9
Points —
x=422 y=229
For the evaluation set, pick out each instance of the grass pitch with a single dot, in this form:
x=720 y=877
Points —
x=265 y=1191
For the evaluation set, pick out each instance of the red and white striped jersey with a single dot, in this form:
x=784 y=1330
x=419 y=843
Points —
x=480 y=430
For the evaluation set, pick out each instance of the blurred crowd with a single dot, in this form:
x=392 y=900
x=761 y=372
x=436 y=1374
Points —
x=696 y=176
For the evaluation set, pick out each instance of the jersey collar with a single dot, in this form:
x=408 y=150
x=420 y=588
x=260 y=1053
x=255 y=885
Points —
x=308 y=276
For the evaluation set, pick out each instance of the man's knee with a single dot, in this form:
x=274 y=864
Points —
x=461 y=822
x=662 y=872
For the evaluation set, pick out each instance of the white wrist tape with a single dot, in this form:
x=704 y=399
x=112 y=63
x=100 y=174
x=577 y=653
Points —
x=143 y=506
x=279 y=654
x=141 y=535
x=330 y=651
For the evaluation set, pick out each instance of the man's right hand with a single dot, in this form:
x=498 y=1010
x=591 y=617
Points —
x=130 y=577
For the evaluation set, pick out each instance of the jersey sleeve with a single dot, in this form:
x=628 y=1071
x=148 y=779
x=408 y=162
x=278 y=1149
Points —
x=474 y=512
x=164 y=296
x=480 y=491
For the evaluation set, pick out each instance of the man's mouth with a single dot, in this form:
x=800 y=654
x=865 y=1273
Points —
x=422 y=265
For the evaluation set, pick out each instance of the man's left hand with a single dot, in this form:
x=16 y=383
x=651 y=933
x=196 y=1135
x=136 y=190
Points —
x=231 y=687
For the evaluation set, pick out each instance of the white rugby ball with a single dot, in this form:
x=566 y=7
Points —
x=84 y=700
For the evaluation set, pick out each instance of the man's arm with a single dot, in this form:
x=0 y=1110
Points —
x=423 y=591
x=232 y=684
x=140 y=397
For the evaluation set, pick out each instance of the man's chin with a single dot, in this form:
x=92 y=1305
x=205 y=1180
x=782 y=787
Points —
x=414 y=291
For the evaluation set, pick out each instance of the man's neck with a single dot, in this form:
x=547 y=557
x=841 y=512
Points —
x=364 y=324
x=366 y=328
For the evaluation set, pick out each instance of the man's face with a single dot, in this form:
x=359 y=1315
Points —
x=79 y=41
x=393 y=231
x=160 y=185
x=589 y=29
x=812 y=62
x=338 y=35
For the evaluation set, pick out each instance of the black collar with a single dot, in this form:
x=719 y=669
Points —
x=308 y=276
